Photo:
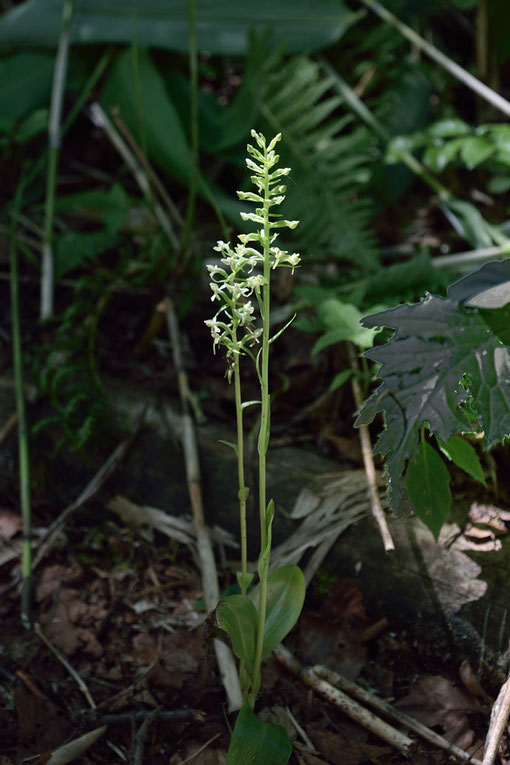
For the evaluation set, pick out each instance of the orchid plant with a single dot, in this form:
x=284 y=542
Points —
x=256 y=620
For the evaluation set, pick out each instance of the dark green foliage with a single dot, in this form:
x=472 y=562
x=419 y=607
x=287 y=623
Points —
x=330 y=158
x=442 y=367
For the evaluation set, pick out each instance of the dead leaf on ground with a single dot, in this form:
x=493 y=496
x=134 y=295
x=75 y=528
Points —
x=178 y=656
x=42 y=727
x=340 y=750
x=434 y=700
x=332 y=636
x=10 y=523
x=73 y=625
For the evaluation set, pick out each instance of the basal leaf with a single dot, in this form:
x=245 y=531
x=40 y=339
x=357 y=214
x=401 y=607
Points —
x=427 y=485
x=442 y=363
x=257 y=742
x=286 y=590
x=238 y=617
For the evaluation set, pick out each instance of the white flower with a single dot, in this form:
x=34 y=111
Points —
x=215 y=270
x=244 y=312
x=255 y=282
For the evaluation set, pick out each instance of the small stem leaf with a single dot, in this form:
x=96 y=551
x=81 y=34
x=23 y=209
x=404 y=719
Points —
x=286 y=590
x=427 y=484
x=255 y=741
x=246 y=404
x=228 y=443
x=341 y=378
x=263 y=563
x=464 y=455
x=237 y=616
x=246 y=580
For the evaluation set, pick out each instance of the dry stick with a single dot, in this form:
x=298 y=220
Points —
x=102 y=475
x=368 y=460
x=149 y=170
x=81 y=684
x=470 y=257
x=210 y=586
x=457 y=71
x=499 y=718
x=355 y=711
x=100 y=118
x=390 y=711
x=141 y=736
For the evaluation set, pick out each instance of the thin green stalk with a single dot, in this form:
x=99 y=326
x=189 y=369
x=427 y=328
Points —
x=78 y=105
x=243 y=491
x=57 y=95
x=263 y=441
x=450 y=66
x=193 y=69
x=23 y=449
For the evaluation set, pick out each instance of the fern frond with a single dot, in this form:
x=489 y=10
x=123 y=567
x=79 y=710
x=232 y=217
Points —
x=330 y=156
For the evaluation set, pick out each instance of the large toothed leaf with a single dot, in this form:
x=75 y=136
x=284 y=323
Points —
x=444 y=366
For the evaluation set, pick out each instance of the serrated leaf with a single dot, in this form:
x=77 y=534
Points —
x=286 y=590
x=237 y=616
x=443 y=362
x=427 y=484
x=255 y=741
x=461 y=452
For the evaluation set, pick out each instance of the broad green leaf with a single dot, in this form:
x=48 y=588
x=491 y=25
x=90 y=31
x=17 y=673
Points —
x=498 y=319
x=427 y=485
x=144 y=104
x=442 y=363
x=258 y=742
x=111 y=206
x=238 y=617
x=286 y=590
x=461 y=452
x=449 y=128
x=75 y=247
x=25 y=82
x=222 y=27
x=475 y=150
x=341 y=378
x=343 y=322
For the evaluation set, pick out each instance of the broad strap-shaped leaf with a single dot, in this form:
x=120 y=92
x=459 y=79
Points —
x=237 y=616
x=255 y=741
x=286 y=590
x=427 y=485
x=442 y=363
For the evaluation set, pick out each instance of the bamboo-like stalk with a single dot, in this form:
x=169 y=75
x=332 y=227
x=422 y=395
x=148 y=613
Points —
x=368 y=460
x=450 y=66
x=23 y=448
x=57 y=97
x=210 y=586
x=78 y=105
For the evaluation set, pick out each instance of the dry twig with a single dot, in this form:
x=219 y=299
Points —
x=499 y=719
x=80 y=682
x=368 y=461
x=355 y=711
x=395 y=714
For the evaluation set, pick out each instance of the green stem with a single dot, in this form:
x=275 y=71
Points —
x=243 y=491
x=57 y=95
x=264 y=432
x=23 y=450
x=193 y=67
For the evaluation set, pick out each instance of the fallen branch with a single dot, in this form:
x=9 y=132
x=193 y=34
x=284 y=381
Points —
x=351 y=708
x=395 y=714
x=141 y=736
x=499 y=719
x=368 y=460
x=210 y=586
x=79 y=681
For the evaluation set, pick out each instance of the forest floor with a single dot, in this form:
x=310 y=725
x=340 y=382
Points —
x=121 y=664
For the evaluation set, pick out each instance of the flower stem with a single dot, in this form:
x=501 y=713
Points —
x=243 y=491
